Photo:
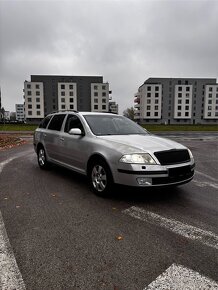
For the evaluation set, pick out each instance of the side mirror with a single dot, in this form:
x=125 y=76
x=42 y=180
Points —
x=75 y=131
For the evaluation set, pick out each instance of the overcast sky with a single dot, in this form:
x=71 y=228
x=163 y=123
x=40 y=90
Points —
x=124 y=41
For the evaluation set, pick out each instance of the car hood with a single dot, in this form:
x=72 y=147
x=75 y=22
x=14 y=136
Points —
x=141 y=143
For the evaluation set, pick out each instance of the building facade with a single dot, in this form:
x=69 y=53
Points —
x=113 y=107
x=44 y=94
x=177 y=101
x=20 y=113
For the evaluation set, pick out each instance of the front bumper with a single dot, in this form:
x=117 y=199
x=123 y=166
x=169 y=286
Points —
x=154 y=175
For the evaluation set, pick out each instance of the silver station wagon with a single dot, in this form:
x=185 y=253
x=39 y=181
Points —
x=111 y=149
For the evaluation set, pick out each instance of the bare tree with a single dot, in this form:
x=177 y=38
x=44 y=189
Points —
x=129 y=113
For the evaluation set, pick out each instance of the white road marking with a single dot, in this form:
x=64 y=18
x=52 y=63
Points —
x=205 y=184
x=177 y=277
x=3 y=163
x=205 y=175
x=10 y=276
x=205 y=237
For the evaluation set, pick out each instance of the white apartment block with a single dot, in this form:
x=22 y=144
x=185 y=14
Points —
x=20 y=113
x=99 y=97
x=148 y=102
x=183 y=102
x=177 y=101
x=113 y=107
x=34 y=100
x=211 y=102
x=67 y=96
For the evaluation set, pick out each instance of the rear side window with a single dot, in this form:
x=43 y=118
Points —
x=45 y=122
x=56 y=122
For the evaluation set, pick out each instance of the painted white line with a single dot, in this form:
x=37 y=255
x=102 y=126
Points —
x=2 y=164
x=205 y=184
x=205 y=175
x=208 y=238
x=10 y=276
x=177 y=277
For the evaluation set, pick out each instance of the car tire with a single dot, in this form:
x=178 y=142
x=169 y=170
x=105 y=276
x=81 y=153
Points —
x=100 y=178
x=42 y=159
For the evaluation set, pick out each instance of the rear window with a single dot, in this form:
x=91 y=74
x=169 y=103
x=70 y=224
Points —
x=56 y=122
x=45 y=122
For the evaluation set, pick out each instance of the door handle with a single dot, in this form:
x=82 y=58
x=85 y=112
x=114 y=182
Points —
x=62 y=139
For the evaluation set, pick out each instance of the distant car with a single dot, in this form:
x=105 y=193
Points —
x=110 y=149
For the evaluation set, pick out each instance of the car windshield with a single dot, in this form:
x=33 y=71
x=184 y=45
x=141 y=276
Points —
x=113 y=125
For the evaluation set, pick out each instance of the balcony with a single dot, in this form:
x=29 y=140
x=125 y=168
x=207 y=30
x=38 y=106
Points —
x=137 y=100
x=137 y=106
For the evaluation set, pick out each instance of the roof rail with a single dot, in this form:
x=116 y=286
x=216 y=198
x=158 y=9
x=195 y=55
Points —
x=75 y=111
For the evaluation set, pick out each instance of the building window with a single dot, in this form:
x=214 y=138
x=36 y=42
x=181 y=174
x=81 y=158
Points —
x=29 y=106
x=148 y=95
x=103 y=87
x=179 y=82
x=186 y=82
x=71 y=107
x=29 y=99
x=179 y=114
x=103 y=94
x=29 y=93
x=156 y=114
x=179 y=108
x=63 y=87
x=186 y=114
x=71 y=100
x=209 y=108
x=187 y=107
x=179 y=95
x=62 y=93
x=149 y=88
x=95 y=87
x=37 y=100
x=157 y=101
x=179 y=101
x=95 y=100
x=103 y=100
x=148 y=107
x=96 y=107
x=38 y=113
x=156 y=95
x=209 y=101
x=71 y=87
x=156 y=89
x=71 y=93
x=63 y=107
x=210 y=89
x=148 y=114
x=95 y=94
x=63 y=100
x=103 y=107
x=37 y=86
x=187 y=101
x=37 y=93
x=30 y=113
x=28 y=86
x=179 y=89
x=187 y=89
x=148 y=101
x=209 y=114
x=187 y=94
x=37 y=106
x=156 y=107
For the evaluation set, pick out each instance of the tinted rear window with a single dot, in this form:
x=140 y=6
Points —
x=56 y=122
x=45 y=122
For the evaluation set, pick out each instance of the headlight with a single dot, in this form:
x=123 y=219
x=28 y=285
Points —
x=190 y=153
x=143 y=158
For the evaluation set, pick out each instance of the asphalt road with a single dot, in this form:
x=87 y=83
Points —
x=65 y=237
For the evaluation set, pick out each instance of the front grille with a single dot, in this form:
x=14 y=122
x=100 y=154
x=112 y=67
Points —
x=175 y=156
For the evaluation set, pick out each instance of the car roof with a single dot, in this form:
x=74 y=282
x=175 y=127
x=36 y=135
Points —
x=82 y=113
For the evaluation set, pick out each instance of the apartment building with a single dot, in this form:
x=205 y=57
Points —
x=44 y=94
x=20 y=113
x=177 y=101
x=113 y=107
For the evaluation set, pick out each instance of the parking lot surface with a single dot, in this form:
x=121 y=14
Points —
x=56 y=234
